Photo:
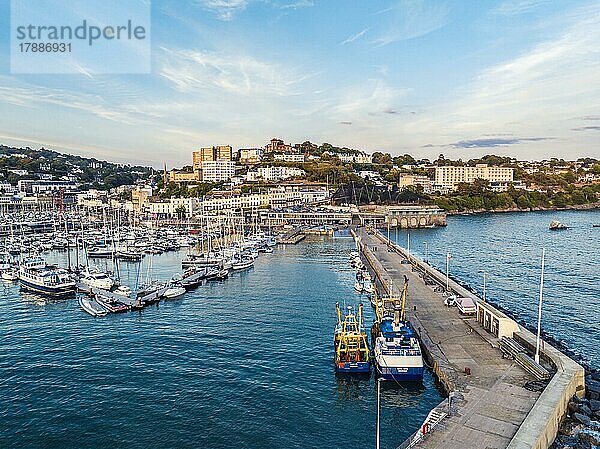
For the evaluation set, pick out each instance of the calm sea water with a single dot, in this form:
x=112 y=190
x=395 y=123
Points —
x=508 y=247
x=246 y=363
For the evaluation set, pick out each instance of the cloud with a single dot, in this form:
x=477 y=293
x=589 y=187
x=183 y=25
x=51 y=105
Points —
x=590 y=117
x=355 y=36
x=496 y=142
x=409 y=19
x=587 y=128
x=517 y=7
x=189 y=71
x=227 y=9
x=345 y=123
x=224 y=9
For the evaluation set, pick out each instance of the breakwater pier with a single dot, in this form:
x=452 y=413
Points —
x=498 y=396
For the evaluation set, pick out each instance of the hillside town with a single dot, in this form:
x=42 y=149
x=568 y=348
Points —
x=279 y=176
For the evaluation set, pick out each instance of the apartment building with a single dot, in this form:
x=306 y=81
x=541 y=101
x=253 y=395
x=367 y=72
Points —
x=217 y=171
x=208 y=154
x=250 y=156
x=450 y=176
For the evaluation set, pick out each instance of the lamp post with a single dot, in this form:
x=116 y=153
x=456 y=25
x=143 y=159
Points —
x=539 y=326
x=426 y=252
x=448 y=257
x=378 y=412
x=484 y=284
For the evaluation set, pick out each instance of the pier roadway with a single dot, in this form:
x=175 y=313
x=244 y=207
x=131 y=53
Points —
x=490 y=403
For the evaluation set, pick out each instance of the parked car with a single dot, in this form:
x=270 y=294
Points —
x=466 y=306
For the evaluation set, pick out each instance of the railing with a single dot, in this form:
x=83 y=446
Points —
x=434 y=418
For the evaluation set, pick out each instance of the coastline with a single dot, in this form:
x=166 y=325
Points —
x=589 y=206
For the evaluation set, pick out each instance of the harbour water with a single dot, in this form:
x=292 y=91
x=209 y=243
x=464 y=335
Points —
x=244 y=363
x=508 y=248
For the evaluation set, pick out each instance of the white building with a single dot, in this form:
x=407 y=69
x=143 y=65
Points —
x=286 y=157
x=216 y=171
x=279 y=173
x=273 y=198
x=450 y=176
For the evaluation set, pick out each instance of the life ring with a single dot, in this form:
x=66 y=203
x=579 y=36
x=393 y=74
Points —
x=425 y=428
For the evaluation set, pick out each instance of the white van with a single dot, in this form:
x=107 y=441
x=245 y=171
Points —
x=466 y=306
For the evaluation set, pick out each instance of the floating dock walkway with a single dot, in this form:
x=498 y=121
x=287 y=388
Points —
x=481 y=361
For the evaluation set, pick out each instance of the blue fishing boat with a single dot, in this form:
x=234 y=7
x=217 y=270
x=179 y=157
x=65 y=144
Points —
x=350 y=342
x=396 y=346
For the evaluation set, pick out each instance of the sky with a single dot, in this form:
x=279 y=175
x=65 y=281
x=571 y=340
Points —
x=464 y=78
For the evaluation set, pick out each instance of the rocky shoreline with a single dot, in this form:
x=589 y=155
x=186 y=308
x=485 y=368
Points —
x=589 y=206
x=581 y=428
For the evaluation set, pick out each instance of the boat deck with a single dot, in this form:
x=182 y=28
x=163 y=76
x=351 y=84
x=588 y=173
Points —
x=490 y=403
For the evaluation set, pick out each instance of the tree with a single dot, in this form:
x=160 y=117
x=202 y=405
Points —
x=181 y=211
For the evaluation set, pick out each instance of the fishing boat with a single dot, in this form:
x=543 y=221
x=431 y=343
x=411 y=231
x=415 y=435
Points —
x=49 y=281
x=92 y=307
x=556 y=225
x=396 y=346
x=350 y=342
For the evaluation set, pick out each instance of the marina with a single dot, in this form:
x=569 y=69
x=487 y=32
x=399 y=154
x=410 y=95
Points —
x=412 y=344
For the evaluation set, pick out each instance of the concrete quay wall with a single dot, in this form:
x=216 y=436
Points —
x=540 y=427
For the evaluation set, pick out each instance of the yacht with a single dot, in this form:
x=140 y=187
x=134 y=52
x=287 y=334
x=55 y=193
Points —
x=556 y=225
x=47 y=280
x=97 y=279
x=174 y=290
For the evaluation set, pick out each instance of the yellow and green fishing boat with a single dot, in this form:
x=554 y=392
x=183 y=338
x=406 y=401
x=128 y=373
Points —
x=350 y=342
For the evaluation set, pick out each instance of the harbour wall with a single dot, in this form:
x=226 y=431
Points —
x=540 y=427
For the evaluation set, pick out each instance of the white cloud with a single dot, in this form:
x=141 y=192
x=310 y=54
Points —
x=355 y=36
x=517 y=7
x=225 y=9
x=194 y=71
x=409 y=19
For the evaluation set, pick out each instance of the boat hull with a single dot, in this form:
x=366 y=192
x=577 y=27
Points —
x=408 y=374
x=352 y=367
x=53 y=291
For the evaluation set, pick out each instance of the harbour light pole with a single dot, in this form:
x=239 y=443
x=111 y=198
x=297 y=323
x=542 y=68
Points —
x=408 y=244
x=426 y=252
x=539 y=326
x=484 y=284
x=448 y=257
x=378 y=412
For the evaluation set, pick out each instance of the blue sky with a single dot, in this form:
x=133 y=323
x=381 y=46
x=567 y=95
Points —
x=463 y=78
